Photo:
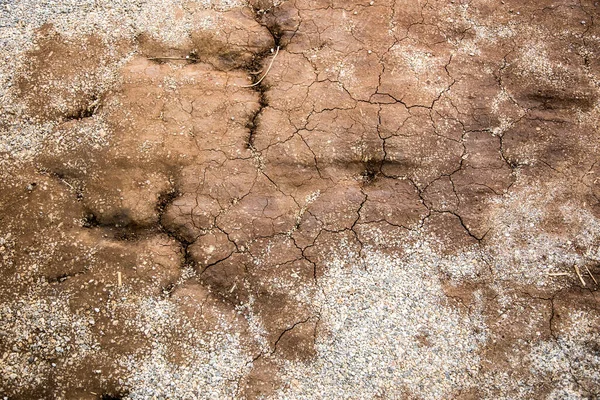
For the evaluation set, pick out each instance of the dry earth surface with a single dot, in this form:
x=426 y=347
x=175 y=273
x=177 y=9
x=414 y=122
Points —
x=301 y=199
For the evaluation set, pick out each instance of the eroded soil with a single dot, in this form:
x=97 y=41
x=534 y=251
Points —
x=302 y=199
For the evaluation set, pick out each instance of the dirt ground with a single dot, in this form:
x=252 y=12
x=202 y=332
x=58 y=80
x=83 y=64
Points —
x=300 y=199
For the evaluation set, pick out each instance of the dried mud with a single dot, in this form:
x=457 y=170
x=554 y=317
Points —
x=406 y=206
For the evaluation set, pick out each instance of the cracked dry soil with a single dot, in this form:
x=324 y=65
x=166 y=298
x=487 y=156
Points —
x=407 y=206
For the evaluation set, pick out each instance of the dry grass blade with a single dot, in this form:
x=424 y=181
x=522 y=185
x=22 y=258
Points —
x=168 y=58
x=579 y=274
x=591 y=276
x=266 y=73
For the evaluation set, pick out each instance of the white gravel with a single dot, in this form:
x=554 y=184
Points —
x=211 y=365
x=389 y=331
x=38 y=329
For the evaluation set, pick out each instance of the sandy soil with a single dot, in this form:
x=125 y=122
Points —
x=301 y=199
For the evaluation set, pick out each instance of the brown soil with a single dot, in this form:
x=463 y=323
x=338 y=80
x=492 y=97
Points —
x=471 y=127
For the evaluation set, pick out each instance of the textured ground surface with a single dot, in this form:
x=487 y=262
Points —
x=406 y=206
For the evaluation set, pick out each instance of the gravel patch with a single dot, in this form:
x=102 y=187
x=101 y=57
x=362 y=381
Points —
x=212 y=364
x=388 y=331
x=38 y=330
